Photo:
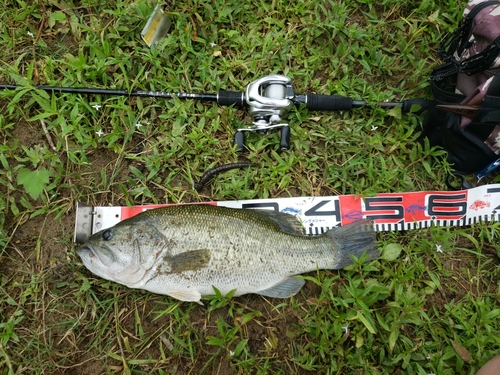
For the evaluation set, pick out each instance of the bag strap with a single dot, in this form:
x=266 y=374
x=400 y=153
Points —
x=483 y=60
x=458 y=41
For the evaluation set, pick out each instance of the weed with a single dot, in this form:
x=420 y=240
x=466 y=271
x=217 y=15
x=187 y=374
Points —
x=429 y=305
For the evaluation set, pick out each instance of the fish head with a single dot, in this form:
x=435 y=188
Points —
x=123 y=253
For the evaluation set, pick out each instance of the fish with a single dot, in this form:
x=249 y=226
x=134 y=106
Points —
x=185 y=251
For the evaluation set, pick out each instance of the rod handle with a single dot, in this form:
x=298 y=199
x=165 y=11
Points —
x=316 y=102
x=229 y=98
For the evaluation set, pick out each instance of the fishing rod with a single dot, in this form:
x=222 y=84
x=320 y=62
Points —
x=268 y=99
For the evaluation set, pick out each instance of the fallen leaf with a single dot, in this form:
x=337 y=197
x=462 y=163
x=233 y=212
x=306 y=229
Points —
x=395 y=112
x=391 y=252
x=462 y=351
x=434 y=16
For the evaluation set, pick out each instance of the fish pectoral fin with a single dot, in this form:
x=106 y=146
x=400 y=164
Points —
x=284 y=289
x=186 y=295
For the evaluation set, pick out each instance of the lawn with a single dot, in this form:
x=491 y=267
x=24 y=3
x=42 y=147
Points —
x=426 y=312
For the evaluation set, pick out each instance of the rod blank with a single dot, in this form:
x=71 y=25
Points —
x=113 y=92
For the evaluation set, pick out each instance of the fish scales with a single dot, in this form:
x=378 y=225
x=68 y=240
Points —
x=185 y=251
x=238 y=250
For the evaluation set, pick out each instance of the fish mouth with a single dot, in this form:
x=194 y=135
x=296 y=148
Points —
x=93 y=262
x=87 y=254
x=92 y=255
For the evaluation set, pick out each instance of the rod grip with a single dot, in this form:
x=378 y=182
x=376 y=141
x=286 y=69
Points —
x=316 y=102
x=229 y=98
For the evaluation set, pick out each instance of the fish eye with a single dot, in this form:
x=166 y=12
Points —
x=107 y=234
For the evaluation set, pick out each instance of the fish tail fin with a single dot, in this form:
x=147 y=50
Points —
x=355 y=239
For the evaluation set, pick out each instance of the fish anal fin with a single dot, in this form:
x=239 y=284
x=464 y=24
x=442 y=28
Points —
x=284 y=289
x=186 y=295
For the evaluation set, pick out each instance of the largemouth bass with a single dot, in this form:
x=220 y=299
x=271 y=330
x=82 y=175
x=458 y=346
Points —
x=185 y=251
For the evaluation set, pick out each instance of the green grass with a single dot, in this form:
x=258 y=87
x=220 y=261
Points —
x=424 y=312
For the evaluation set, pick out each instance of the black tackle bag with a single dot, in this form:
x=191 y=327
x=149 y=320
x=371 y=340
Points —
x=466 y=89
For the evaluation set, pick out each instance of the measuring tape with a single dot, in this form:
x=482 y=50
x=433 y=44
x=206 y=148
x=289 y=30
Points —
x=389 y=211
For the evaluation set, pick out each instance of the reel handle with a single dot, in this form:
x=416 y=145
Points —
x=239 y=141
x=285 y=138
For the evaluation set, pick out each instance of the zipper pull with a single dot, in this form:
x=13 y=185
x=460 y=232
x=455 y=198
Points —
x=488 y=169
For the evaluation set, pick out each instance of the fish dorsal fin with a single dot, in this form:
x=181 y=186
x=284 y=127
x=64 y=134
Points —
x=188 y=295
x=284 y=289
x=287 y=223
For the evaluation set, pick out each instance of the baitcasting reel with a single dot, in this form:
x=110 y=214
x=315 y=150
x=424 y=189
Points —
x=269 y=99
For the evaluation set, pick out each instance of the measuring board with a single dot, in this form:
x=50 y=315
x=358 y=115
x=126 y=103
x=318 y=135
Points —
x=389 y=211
